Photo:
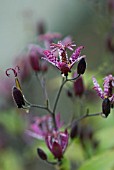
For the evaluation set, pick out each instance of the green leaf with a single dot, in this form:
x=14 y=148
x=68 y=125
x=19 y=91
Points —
x=10 y=160
x=75 y=152
x=13 y=121
x=106 y=138
x=104 y=161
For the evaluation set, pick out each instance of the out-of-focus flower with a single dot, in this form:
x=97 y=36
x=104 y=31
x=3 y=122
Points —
x=57 y=143
x=106 y=95
x=35 y=54
x=48 y=38
x=58 y=56
x=79 y=86
x=42 y=126
x=40 y=27
x=110 y=5
x=34 y=61
x=23 y=63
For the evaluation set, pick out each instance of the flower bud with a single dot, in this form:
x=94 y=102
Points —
x=34 y=61
x=40 y=27
x=106 y=107
x=74 y=131
x=110 y=43
x=18 y=97
x=110 y=6
x=79 y=87
x=41 y=154
x=69 y=94
x=81 y=66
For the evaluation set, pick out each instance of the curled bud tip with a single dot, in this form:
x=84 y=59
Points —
x=15 y=71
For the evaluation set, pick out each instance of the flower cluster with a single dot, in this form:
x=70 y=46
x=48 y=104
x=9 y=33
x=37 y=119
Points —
x=49 y=128
x=56 y=141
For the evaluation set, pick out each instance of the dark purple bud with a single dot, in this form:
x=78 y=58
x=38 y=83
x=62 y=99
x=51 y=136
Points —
x=18 y=97
x=69 y=93
x=79 y=87
x=42 y=154
x=34 y=61
x=81 y=66
x=95 y=144
x=74 y=131
x=41 y=28
x=110 y=43
x=106 y=105
x=89 y=132
x=110 y=5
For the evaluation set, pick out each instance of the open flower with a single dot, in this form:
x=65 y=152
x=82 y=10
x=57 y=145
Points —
x=42 y=126
x=57 y=143
x=58 y=56
x=106 y=94
x=108 y=85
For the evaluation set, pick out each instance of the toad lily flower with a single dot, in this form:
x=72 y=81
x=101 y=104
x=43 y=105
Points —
x=106 y=95
x=57 y=143
x=58 y=56
x=42 y=126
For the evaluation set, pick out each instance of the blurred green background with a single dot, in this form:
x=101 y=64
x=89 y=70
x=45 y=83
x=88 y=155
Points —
x=88 y=22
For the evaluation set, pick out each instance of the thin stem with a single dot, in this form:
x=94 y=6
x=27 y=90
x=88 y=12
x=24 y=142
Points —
x=60 y=89
x=88 y=115
x=57 y=98
x=83 y=117
x=75 y=78
x=58 y=95
x=39 y=106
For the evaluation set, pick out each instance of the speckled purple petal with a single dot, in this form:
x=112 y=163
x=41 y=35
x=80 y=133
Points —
x=97 y=88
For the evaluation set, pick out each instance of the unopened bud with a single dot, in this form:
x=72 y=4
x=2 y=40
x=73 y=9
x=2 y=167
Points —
x=42 y=154
x=79 y=87
x=74 y=131
x=18 y=97
x=106 y=105
x=69 y=93
x=34 y=61
x=81 y=66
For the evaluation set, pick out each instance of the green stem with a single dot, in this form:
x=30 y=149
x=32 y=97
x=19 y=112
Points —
x=60 y=89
